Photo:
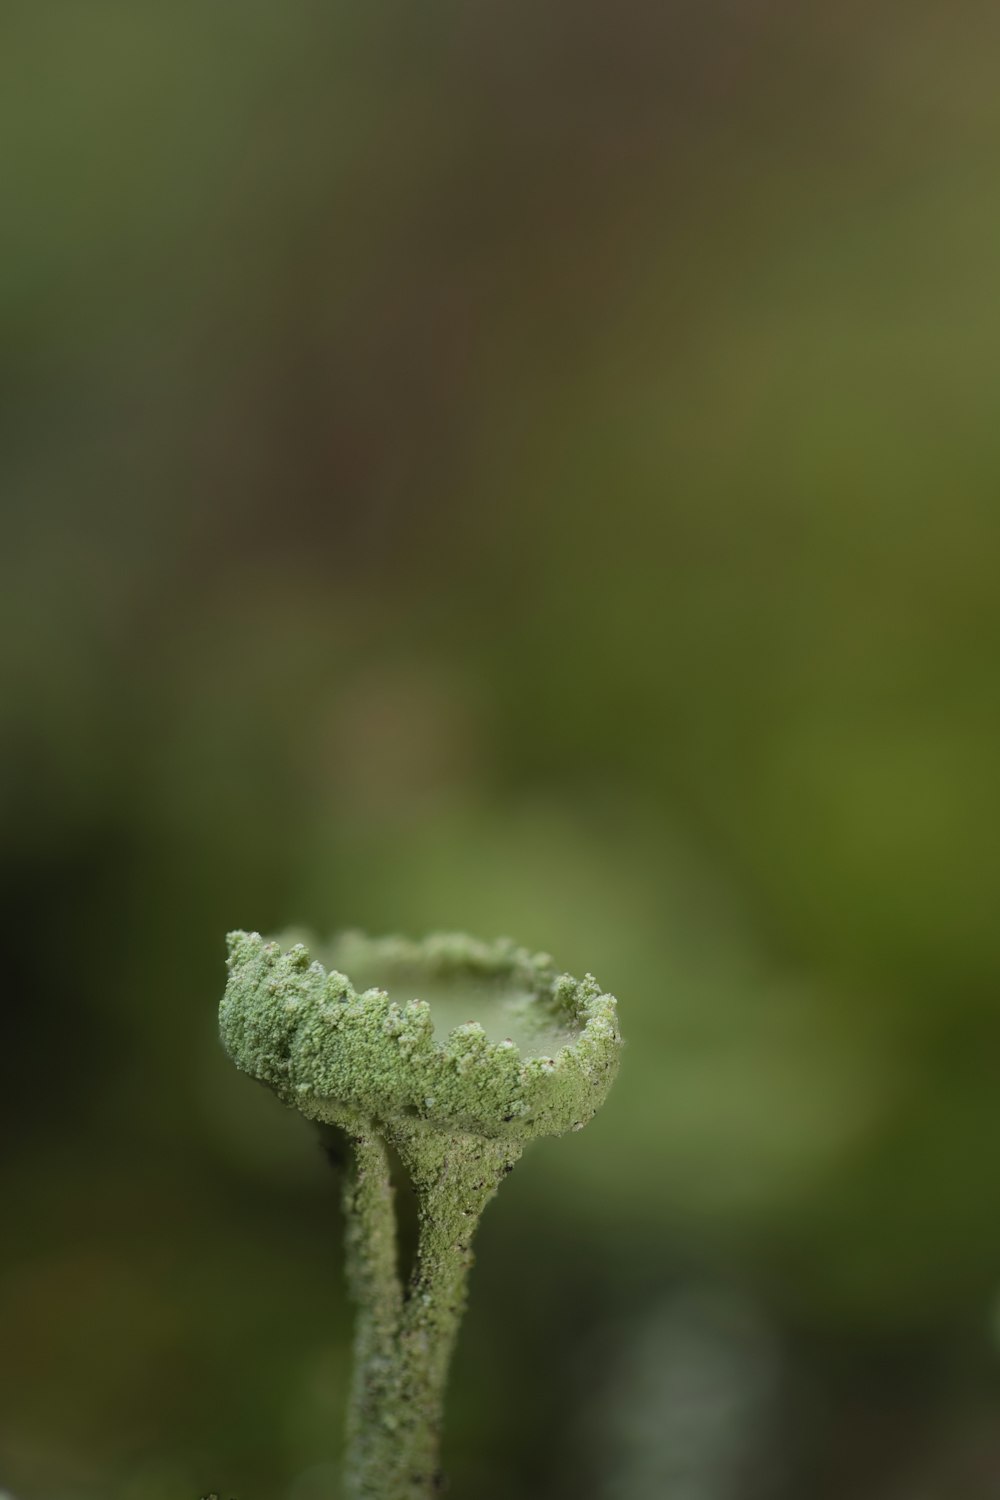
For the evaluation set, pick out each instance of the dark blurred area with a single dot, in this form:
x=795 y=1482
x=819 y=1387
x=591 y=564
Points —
x=529 y=469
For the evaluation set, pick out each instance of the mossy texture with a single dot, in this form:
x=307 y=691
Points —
x=457 y=1108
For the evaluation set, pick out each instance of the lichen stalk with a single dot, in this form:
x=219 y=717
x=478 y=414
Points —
x=395 y=1429
x=372 y=1280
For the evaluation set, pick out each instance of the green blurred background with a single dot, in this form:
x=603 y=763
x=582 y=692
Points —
x=528 y=468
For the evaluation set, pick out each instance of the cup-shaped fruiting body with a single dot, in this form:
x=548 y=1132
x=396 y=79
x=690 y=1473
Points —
x=455 y=1053
x=482 y=1038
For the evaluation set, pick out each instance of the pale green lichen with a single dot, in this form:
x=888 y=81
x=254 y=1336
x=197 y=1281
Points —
x=533 y=1053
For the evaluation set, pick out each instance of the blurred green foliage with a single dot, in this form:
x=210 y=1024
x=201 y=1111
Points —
x=527 y=469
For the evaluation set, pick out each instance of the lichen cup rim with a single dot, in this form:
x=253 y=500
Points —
x=335 y=1052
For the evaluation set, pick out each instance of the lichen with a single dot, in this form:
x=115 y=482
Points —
x=456 y=1102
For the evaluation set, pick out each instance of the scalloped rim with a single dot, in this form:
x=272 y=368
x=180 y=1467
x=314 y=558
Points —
x=309 y=1017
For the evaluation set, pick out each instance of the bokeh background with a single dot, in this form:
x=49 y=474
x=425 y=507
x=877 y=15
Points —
x=534 y=469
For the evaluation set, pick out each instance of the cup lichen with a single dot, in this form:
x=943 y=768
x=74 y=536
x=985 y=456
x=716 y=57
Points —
x=484 y=1047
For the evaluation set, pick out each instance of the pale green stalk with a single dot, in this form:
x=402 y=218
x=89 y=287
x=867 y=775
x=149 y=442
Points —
x=404 y=1341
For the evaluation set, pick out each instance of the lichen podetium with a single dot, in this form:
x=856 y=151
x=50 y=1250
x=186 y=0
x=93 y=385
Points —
x=454 y=1053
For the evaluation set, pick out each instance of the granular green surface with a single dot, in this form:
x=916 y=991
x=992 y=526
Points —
x=453 y=1053
x=529 y=1051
